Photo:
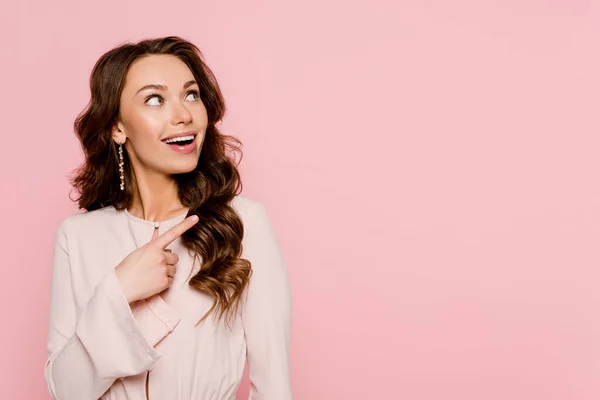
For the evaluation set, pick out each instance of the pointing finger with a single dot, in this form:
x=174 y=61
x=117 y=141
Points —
x=169 y=236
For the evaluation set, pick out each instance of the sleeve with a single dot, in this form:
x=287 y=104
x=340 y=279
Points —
x=266 y=312
x=89 y=351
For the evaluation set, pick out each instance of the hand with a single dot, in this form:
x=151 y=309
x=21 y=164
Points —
x=149 y=270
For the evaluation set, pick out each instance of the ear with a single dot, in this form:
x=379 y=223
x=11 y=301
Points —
x=118 y=134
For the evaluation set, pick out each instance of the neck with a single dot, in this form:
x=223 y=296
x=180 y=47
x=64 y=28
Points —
x=155 y=197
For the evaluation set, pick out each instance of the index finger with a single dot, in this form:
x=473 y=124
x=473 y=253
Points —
x=169 y=236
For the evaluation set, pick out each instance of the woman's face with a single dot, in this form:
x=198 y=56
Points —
x=161 y=116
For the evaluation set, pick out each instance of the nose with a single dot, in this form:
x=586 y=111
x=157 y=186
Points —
x=181 y=115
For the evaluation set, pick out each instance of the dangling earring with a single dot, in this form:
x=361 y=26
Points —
x=121 y=172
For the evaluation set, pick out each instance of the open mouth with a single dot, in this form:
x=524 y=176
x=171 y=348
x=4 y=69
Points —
x=180 y=141
x=183 y=144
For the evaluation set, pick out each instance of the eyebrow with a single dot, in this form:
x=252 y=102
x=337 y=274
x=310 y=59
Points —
x=164 y=87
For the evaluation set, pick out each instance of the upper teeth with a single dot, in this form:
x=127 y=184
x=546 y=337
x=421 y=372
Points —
x=180 y=139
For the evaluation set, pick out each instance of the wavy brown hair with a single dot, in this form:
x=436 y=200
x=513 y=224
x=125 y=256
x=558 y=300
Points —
x=216 y=241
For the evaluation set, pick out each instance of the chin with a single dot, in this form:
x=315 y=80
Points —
x=182 y=168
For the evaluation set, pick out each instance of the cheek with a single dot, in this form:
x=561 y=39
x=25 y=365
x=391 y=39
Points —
x=147 y=125
x=200 y=116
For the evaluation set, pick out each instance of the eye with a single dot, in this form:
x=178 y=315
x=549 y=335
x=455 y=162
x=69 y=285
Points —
x=154 y=100
x=195 y=95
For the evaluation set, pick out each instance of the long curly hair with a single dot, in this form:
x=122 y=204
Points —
x=216 y=241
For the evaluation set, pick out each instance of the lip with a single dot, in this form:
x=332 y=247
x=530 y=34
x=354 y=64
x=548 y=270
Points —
x=184 y=149
x=180 y=134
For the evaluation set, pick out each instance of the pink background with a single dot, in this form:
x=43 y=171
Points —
x=431 y=169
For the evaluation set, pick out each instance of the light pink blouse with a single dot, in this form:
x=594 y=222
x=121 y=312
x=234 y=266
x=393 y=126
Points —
x=101 y=347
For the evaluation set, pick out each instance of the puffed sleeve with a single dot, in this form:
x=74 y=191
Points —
x=266 y=312
x=89 y=350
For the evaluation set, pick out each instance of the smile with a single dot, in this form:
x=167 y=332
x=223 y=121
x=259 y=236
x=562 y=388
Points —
x=182 y=144
x=183 y=140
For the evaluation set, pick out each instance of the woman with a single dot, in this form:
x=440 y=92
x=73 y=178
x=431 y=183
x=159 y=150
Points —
x=171 y=280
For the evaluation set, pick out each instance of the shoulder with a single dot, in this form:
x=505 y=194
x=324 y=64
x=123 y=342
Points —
x=258 y=229
x=260 y=246
x=86 y=221
x=249 y=210
x=255 y=218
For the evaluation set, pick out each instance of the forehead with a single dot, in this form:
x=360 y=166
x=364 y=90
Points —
x=158 y=69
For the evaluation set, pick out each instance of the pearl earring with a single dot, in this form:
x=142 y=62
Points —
x=121 y=171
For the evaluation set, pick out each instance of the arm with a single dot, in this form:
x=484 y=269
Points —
x=87 y=352
x=266 y=313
